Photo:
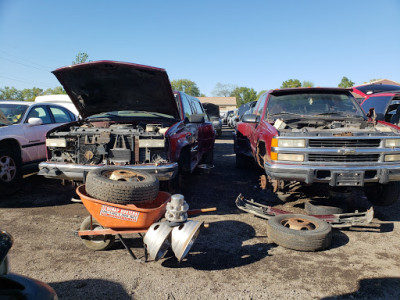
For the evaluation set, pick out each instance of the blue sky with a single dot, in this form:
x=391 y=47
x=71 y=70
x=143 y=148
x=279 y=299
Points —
x=256 y=44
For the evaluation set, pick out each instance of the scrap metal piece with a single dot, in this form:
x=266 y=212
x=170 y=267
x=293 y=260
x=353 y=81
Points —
x=345 y=220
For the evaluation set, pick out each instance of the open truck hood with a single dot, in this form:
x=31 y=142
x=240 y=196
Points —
x=103 y=86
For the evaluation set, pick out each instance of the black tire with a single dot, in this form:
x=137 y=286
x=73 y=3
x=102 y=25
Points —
x=313 y=234
x=242 y=161
x=101 y=185
x=10 y=170
x=96 y=242
x=324 y=207
x=383 y=194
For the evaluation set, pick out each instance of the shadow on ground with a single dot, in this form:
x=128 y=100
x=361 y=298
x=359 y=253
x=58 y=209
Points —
x=222 y=247
x=374 y=289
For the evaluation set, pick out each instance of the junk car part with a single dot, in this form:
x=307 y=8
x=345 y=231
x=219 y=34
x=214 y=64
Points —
x=336 y=220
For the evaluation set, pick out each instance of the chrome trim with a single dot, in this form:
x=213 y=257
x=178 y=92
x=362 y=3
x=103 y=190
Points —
x=163 y=172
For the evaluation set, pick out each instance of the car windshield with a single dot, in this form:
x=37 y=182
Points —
x=11 y=113
x=129 y=114
x=313 y=104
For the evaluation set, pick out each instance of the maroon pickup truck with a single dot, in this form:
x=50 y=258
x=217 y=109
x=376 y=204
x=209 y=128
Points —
x=131 y=118
x=321 y=135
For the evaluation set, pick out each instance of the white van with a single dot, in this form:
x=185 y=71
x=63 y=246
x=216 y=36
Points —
x=61 y=99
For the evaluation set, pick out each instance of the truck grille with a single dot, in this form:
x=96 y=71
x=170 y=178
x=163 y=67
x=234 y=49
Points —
x=343 y=158
x=337 y=143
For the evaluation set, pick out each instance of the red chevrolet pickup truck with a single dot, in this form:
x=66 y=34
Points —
x=321 y=135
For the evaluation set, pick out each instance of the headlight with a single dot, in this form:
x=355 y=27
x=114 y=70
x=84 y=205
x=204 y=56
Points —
x=56 y=143
x=392 y=157
x=288 y=143
x=392 y=143
x=290 y=157
x=287 y=157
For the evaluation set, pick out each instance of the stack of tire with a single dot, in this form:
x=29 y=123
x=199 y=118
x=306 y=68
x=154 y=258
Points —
x=121 y=186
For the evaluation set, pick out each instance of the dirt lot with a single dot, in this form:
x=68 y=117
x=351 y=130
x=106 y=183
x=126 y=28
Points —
x=232 y=259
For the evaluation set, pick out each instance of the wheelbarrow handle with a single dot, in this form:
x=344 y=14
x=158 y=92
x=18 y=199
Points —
x=200 y=210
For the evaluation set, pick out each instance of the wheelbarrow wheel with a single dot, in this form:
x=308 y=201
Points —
x=96 y=242
x=121 y=186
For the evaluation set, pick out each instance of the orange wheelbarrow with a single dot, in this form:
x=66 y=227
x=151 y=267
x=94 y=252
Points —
x=108 y=220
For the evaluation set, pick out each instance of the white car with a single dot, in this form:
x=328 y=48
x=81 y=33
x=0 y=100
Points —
x=23 y=128
x=61 y=99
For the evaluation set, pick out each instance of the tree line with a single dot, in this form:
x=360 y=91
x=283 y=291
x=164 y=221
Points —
x=241 y=93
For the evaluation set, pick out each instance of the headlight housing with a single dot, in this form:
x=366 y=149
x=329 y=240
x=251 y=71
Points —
x=289 y=143
x=290 y=157
x=392 y=157
x=56 y=143
x=392 y=143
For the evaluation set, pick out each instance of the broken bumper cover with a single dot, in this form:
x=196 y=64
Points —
x=336 y=220
x=334 y=175
x=163 y=172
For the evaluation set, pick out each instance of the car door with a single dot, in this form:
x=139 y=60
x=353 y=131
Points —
x=206 y=132
x=52 y=116
x=258 y=111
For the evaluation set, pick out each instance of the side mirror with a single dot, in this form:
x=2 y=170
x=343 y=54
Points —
x=196 y=119
x=35 y=121
x=250 y=118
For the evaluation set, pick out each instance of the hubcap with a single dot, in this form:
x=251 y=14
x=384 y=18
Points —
x=8 y=168
x=299 y=224
x=124 y=175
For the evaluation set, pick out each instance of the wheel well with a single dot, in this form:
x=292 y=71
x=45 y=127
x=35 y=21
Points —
x=184 y=159
x=261 y=153
x=10 y=144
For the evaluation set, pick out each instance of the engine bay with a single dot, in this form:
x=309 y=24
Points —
x=109 y=143
x=328 y=125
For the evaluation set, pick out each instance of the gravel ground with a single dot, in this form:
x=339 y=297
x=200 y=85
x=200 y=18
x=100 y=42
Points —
x=231 y=259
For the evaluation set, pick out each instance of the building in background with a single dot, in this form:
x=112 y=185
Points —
x=224 y=103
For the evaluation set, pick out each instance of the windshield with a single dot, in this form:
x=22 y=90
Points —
x=11 y=113
x=129 y=114
x=313 y=104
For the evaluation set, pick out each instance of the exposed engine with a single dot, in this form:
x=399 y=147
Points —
x=111 y=144
x=309 y=126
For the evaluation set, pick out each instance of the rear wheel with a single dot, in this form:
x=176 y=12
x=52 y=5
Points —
x=95 y=242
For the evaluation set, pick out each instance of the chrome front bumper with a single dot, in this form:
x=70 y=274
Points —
x=163 y=172
x=334 y=175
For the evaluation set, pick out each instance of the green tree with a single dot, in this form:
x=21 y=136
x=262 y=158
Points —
x=55 y=91
x=260 y=93
x=291 y=83
x=10 y=93
x=307 y=83
x=223 y=90
x=244 y=95
x=345 y=83
x=80 y=58
x=31 y=94
x=187 y=86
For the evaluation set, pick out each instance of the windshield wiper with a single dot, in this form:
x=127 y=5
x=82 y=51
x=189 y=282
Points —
x=285 y=113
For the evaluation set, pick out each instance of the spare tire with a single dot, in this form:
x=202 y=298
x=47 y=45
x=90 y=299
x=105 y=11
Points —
x=299 y=232
x=121 y=186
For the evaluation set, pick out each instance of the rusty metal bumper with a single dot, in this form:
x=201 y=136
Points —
x=336 y=220
x=163 y=172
